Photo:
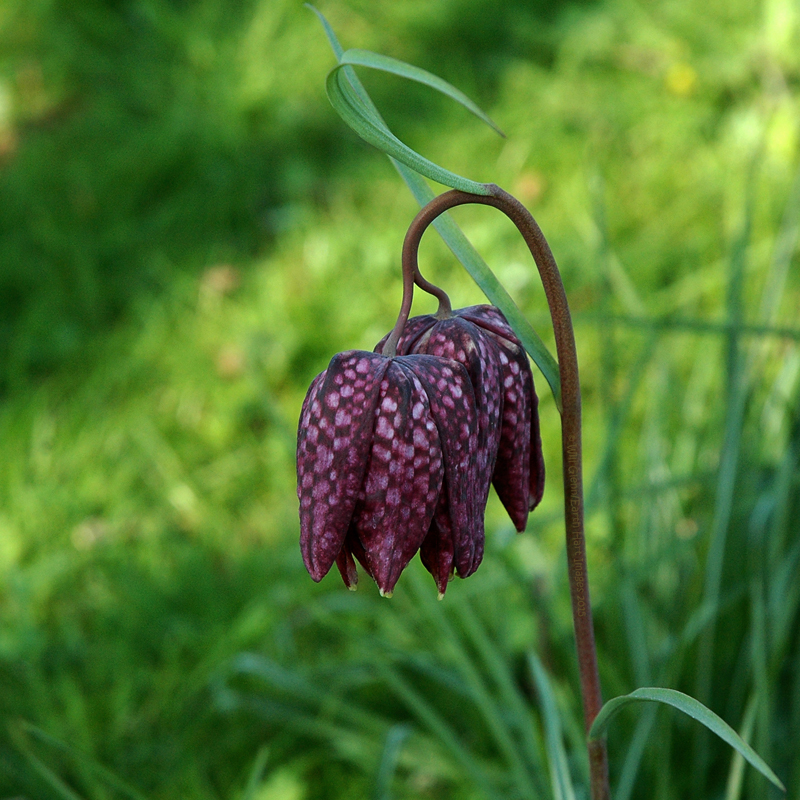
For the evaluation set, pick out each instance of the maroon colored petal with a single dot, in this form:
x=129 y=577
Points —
x=414 y=330
x=436 y=552
x=466 y=343
x=519 y=472
x=452 y=405
x=403 y=479
x=347 y=567
x=333 y=444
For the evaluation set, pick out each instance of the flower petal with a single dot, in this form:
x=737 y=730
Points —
x=415 y=329
x=403 y=479
x=436 y=552
x=462 y=341
x=347 y=568
x=333 y=444
x=452 y=405
x=519 y=471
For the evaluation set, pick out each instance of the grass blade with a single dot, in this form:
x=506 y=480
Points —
x=256 y=775
x=19 y=737
x=733 y=789
x=479 y=693
x=439 y=728
x=691 y=707
x=103 y=774
x=391 y=751
x=498 y=667
x=560 y=779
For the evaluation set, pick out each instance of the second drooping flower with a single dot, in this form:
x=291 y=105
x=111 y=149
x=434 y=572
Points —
x=509 y=448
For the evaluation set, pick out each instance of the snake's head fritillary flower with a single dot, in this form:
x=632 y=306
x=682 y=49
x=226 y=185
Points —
x=509 y=450
x=385 y=453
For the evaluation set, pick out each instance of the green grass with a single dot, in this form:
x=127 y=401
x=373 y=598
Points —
x=159 y=637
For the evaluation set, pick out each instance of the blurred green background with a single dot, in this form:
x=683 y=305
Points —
x=188 y=233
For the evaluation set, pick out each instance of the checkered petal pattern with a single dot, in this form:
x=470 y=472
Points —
x=381 y=441
x=510 y=443
x=519 y=472
x=334 y=441
x=396 y=454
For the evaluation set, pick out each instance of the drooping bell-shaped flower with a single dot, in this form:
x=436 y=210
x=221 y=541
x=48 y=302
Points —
x=386 y=451
x=509 y=450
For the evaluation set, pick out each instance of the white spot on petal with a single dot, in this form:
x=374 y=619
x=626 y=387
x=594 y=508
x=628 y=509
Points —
x=383 y=429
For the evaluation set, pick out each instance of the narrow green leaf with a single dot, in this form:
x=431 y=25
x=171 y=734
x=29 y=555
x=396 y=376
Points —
x=500 y=666
x=334 y=42
x=256 y=775
x=86 y=762
x=438 y=726
x=366 y=58
x=395 y=738
x=480 y=694
x=696 y=710
x=560 y=779
x=733 y=790
x=359 y=117
x=19 y=736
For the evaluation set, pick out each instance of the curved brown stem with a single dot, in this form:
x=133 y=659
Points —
x=409 y=269
x=412 y=275
x=411 y=266
x=571 y=446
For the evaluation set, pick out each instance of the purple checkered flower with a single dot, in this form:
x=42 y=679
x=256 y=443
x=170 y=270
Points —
x=385 y=458
x=509 y=449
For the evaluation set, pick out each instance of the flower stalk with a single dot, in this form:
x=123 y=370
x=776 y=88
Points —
x=570 y=409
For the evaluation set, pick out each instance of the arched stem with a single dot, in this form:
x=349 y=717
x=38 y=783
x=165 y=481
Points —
x=412 y=275
x=390 y=348
x=411 y=266
x=571 y=444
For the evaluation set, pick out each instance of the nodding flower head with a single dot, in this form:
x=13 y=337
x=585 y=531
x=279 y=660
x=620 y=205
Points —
x=385 y=462
x=509 y=448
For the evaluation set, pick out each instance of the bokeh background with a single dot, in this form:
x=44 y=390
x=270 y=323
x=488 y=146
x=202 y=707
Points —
x=188 y=233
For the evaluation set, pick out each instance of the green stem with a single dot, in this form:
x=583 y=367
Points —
x=571 y=447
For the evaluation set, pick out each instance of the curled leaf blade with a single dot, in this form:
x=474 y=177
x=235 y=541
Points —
x=363 y=120
x=693 y=708
x=366 y=58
